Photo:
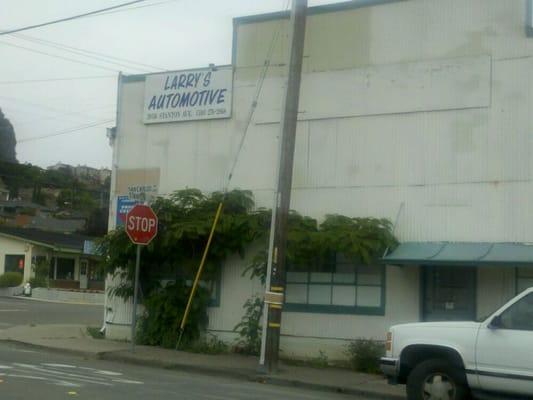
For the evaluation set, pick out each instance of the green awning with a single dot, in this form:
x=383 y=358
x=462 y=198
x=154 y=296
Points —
x=460 y=253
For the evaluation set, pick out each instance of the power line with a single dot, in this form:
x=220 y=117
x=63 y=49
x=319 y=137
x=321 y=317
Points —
x=74 y=78
x=89 y=54
x=70 y=18
x=133 y=8
x=64 y=132
x=60 y=57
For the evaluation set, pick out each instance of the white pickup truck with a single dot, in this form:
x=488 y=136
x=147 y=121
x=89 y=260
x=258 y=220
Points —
x=454 y=360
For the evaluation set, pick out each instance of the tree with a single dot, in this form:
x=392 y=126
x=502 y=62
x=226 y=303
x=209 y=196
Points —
x=7 y=140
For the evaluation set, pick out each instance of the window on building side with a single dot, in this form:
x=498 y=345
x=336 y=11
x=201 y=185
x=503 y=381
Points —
x=524 y=279
x=14 y=263
x=338 y=286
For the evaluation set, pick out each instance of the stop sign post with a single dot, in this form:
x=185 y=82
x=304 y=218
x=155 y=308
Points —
x=141 y=227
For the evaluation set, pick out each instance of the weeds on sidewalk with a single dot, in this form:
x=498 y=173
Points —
x=364 y=355
x=95 y=332
x=320 y=361
x=212 y=345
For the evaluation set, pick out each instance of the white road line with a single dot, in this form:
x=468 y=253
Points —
x=13 y=310
x=82 y=378
x=128 y=381
x=58 y=365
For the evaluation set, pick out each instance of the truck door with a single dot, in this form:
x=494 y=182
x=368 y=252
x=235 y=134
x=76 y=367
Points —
x=504 y=351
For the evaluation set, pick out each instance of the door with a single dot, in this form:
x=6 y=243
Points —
x=504 y=352
x=449 y=293
x=84 y=270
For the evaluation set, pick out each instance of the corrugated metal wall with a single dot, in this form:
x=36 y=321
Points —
x=445 y=128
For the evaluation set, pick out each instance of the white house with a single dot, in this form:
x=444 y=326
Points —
x=417 y=110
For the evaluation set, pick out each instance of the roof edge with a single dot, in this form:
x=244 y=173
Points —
x=321 y=9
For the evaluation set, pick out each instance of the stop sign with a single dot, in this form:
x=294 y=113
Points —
x=141 y=224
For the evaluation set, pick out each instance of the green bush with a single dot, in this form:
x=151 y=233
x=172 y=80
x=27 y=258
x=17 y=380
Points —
x=38 y=282
x=249 y=329
x=10 y=279
x=164 y=308
x=364 y=355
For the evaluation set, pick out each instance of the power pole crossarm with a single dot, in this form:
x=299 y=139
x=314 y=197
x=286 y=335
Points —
x=283 y=197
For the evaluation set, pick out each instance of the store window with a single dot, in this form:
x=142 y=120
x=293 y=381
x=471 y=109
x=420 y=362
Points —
x=524 y=279
x=14 y=263
x=338 y=286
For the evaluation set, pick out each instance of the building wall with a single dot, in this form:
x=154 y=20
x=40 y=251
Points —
x=418 y=106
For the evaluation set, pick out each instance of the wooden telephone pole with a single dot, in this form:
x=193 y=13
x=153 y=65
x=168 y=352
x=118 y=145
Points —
x=276 y=286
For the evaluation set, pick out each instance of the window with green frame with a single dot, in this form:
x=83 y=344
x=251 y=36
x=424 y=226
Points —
x=339 y=286
x=524 y=279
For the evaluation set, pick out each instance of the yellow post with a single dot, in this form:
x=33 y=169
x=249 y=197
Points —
x=199 y=272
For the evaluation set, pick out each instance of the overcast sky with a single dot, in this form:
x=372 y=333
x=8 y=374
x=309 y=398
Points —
x=165 y=34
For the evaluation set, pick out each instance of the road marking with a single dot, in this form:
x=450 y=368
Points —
x=108 y=373
x=128 y=381
x=14 y=310
x=58 y=365
x=66 y=375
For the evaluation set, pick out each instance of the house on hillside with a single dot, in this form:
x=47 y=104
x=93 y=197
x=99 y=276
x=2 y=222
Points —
x=418 y=111
x=71 y=259
x=61 y=167
x=26 y=214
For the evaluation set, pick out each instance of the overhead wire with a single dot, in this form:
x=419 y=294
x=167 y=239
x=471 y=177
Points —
x=74 y=78
x=65 y=132
x=60 y=57
x=57 y=21
x=253 y=106
x=133 y=8
x=90 y=54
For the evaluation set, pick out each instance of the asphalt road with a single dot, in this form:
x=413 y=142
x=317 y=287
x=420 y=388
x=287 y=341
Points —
x=34 y=374
x=24 y=312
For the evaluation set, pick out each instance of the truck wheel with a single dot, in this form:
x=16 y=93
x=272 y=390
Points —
x=437 y=380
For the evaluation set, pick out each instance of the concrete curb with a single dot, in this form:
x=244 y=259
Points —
x=369 y=394
x=54 y=301
x=254 y=377
x=228 y=373
x=118 y=356
x=73 y=352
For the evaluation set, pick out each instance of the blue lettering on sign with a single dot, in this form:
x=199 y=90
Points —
x=187 y=90
x=124 y=205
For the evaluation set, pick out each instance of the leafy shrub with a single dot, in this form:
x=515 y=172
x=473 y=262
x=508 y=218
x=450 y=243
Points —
x=164 y=308
x=38 y=282
x=40 y=270
x=364 y=355
x=10 y=279
x=249 y=328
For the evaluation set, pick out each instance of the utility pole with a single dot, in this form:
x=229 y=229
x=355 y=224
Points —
x=278 y=247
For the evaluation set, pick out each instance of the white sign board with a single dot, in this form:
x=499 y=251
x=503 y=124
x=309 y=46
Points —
x=142 y=192
x=188 y=95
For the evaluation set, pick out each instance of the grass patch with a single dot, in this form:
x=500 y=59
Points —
x=95 y=332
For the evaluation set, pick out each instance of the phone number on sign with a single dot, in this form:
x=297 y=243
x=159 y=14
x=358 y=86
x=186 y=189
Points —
x=185 y=114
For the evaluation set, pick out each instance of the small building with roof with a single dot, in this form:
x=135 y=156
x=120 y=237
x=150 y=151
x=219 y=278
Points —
x=71 y=259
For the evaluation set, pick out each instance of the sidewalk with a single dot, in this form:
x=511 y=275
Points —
x=73 y=339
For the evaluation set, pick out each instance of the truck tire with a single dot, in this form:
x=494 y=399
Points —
x=437 y=379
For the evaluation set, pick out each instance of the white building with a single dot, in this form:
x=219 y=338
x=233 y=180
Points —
x=417 y=110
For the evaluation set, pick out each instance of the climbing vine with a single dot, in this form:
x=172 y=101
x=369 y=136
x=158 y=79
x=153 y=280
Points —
x=185 y=219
